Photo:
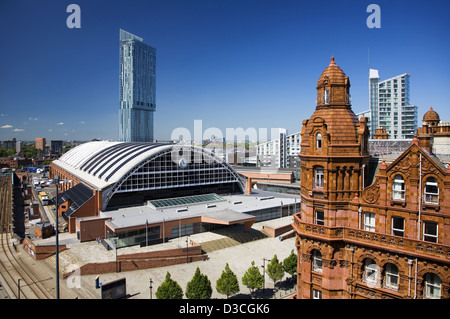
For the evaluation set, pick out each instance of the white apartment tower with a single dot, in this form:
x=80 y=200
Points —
x=280 y=152
x=390 y=107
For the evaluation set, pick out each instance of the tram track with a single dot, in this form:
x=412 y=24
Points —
x=12 y=269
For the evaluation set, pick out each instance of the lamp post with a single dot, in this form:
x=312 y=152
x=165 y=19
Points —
x=187 y=250
x=18 y=288
x=151 y=282
x=56 y=179
x=264 y=274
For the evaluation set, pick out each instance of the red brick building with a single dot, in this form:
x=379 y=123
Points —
x=368 y=227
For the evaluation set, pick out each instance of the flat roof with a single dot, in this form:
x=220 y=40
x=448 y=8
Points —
x=233 y=208
x=183 y=201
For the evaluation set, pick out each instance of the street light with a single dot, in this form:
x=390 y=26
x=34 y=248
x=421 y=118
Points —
x=264 y=274
x=18 y=288
x=151 y=282
x=187 y=249
x=56 y=179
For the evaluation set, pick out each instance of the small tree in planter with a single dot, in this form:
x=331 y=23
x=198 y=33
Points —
x=228 y=283
x=252 y=278
x=199 y=287
x=275 y=270
x=290 y=264
x=169 y=289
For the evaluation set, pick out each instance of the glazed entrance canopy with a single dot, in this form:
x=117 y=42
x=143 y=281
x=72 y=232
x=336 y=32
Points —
x=147 y=171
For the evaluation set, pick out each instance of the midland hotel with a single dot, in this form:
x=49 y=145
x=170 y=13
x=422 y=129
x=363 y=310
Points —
x=370 y=228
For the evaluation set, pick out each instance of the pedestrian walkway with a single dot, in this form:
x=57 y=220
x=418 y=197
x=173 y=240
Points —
x=232 y=246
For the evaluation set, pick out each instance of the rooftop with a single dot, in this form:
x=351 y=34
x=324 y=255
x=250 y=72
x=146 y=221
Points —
x=232 y=208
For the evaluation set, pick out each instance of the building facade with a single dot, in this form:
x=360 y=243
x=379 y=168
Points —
x=368 y=228
x=390 y=106
x=281 y=152
x=57 y=147
x=137 y=89
x=40 y=143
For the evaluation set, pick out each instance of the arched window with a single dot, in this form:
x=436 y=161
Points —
x=398 y=188
x=431 y=191
x=370 y=275
x=319 y=177
x=316 y=261
x=432 y=285
x=391 y=277
x=319 y=141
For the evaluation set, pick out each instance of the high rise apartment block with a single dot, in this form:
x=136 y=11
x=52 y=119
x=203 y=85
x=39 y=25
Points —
x=390 y=107
x=40 y=143
x=281 y=152
x=137 y=89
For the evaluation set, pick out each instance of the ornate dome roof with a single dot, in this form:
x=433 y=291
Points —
x=431 y=116
x=333 y=74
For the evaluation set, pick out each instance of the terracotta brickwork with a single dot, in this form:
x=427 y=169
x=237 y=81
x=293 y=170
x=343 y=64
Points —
x=387 y=240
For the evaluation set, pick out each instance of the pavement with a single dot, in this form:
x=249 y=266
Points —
x=239 y=258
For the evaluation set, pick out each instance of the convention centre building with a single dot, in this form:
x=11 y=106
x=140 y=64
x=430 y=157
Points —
x=131 y=193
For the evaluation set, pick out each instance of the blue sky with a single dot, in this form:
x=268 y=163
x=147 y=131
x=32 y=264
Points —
x=229 y=63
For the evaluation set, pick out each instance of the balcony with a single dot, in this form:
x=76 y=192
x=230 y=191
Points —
x=403 y=245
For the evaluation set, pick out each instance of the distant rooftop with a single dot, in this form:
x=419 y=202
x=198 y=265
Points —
x=125 y=35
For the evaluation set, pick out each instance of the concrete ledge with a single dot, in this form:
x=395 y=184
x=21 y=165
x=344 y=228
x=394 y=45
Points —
x=277 y=231
x=145 y=260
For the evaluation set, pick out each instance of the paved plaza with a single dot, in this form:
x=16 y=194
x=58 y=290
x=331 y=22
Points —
x=239 y=258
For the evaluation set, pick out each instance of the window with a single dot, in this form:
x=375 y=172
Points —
x=431 y=191
x=319 y=177
x=370 y=271
x=317 y=294
x=320 y=220
x=430 y=231
x=369 y=221
x=326 y=96
x=316 y=261
x=319 y=141
x=392 y=277
x=432 y=286
x=398 y=226
x=398 y=188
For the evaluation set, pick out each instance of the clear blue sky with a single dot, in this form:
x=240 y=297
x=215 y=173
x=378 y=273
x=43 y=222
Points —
x=229 y=63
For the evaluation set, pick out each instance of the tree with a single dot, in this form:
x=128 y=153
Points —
x=169 y=289
x=290 y=264
x=275 y=269
x=228 y=283
x=252 y=278
x=199 y=287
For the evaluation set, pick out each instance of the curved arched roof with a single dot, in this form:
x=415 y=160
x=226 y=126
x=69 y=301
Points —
x=102 y=163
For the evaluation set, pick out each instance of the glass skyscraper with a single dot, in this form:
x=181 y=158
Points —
x=390 y=107
x=137 y=89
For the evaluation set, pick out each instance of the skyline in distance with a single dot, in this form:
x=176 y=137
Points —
x=230 y=64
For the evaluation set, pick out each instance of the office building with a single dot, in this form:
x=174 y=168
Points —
x=40 y=143
x=280 y=152
x=390 y=106
x=137 y=89
x=19 y=147
x=9 y=145
x=56 y=147
x=369 y=227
